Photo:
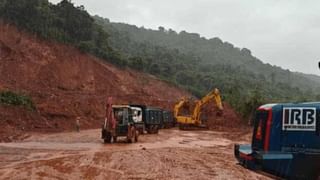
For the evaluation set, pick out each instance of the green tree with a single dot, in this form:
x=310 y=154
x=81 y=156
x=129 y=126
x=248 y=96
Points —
x=136 y=63
x=254 y=100
x=154 y=69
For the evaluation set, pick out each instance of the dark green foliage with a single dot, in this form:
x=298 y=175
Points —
x=11 y=98
x=86 y=46
x=185 y=78
x=74 y=21
x=207 y=51
x=137 y=63
x=62 y=22
x=154 y=69
x=253 y=101
x=198 y=65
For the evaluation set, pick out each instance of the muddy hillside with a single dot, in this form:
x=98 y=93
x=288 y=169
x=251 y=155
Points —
x=65 y=84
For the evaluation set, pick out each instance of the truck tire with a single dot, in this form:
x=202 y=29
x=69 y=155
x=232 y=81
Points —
x=143 y=129
x=131 y=136
x=149 y=129
x=107 y=141
x=131 y=140
x=108 y=138
x=114 y=139
x=136 y=136
x=154 y=129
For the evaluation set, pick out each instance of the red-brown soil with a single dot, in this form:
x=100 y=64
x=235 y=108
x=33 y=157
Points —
x=65 y=84
x=171 y=154
x=227 y=120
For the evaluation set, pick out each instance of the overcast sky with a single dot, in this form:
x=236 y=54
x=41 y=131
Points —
x=285 y=33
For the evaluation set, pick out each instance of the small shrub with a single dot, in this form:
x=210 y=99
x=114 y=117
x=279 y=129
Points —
x=11 y=98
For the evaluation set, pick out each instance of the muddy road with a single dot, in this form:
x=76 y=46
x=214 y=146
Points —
x=172 y=154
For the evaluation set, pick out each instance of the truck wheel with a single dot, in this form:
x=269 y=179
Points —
x=114 y=139
x=136 y=136
x=108 y=138
x=131 y=140
x=143 y=129
x=154 y=129
x=131 y=135
x=107 y=141
x=149 y=130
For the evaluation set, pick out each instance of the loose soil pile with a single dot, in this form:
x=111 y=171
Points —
x=228 y=119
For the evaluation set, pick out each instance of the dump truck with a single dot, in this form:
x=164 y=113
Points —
x=151 y=117
x=285 y=141
x=194 y=119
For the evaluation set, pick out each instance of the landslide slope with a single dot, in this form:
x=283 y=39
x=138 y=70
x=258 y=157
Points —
x=65 y=83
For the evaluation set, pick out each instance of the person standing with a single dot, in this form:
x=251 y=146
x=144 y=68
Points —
x=78 y=124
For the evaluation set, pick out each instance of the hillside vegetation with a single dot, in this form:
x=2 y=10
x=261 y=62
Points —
x=199 y=64
x=185 y=59
x=15 y=99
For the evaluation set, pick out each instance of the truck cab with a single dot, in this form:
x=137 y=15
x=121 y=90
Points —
x=151 y=118
x=128 y=122
x=285 y=141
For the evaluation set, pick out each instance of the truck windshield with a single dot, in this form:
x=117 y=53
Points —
x=121 y=115
x=259 y=129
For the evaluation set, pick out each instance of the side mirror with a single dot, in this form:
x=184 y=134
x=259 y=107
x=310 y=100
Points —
x=319 y=64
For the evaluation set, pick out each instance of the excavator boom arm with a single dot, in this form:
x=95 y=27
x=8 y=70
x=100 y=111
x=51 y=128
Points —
x=215 y=94
x=178 y=106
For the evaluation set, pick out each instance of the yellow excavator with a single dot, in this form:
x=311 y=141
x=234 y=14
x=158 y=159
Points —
x=194 y=119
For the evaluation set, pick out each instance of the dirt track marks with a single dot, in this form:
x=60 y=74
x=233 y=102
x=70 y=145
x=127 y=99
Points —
x=172 y=154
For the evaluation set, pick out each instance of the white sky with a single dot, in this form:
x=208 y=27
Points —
x=285 y=33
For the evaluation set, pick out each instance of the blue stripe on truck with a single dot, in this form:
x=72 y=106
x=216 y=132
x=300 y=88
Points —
x=277 y=156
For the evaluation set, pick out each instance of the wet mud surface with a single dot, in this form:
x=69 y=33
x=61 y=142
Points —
x=172 y=154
